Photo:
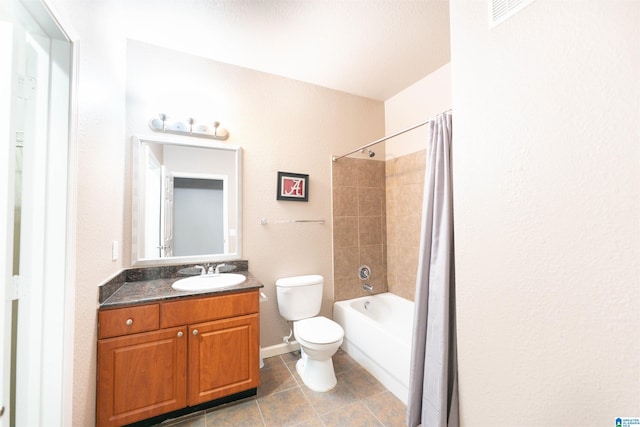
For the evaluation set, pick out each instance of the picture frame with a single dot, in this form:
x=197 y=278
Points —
x=293 y=187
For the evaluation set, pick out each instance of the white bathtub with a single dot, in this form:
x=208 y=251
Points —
x=377 y=334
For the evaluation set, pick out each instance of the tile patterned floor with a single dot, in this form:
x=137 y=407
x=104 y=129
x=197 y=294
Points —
x=283 y=400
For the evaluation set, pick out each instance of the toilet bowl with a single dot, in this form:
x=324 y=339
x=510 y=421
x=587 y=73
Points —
x=319 y=339
x=299 y=301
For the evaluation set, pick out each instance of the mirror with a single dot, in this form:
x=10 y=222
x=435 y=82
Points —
x=186 y=201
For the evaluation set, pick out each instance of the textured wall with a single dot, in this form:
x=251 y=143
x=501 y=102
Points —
x=546 y=180
x=100 y=179
x=419 y=102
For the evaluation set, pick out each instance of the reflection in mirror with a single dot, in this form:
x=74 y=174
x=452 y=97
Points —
x=186 y=201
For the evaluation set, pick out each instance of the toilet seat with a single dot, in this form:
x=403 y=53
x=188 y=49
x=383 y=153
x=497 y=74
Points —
x=318 y=330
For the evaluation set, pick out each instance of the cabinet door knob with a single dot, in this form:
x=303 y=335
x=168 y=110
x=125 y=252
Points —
x=180 y=334
x=195 y=332
x=129 y=322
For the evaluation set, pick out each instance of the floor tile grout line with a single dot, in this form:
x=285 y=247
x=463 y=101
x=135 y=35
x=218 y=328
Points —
x=293 y=374
x=297 y=384
x=378 y=394
x=315 y=411
x=264 y=422
x=374 y=415
x=277 y=392
x=305 y=391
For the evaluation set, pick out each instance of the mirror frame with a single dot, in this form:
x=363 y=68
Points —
x=137 y=214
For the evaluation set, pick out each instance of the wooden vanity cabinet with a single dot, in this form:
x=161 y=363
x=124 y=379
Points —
x=222 y=358
x=141 y=376
x=201 y=349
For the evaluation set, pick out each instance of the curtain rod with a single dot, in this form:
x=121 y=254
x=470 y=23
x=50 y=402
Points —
x=377 y=141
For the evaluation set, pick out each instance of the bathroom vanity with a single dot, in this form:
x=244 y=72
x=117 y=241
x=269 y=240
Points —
x=162 y=350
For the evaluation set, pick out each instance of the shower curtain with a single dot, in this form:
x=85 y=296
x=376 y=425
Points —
x=433 y=385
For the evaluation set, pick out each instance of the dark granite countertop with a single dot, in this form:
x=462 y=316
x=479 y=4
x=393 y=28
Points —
x=157 y=290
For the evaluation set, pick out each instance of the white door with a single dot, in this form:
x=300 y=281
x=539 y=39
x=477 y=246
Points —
x=166 y=214
x=151 y=193
x=35 y=70
x=7 y=180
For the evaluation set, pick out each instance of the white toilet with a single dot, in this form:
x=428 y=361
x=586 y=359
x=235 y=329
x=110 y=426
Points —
x=299 y=300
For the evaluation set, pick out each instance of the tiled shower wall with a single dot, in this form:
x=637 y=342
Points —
x=377 y=207
x=359 y=226
x=405 y=187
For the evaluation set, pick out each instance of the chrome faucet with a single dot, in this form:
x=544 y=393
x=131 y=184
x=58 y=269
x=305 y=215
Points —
x=367 y=287
x=210 y=270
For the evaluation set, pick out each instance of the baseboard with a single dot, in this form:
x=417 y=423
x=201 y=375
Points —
x=278 y=349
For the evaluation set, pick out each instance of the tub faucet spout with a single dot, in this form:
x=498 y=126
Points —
x=367 y=287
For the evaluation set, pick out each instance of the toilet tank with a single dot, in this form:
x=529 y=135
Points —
x=299 y=297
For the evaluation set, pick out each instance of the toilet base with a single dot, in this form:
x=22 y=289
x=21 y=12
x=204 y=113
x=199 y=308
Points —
x=317 y=375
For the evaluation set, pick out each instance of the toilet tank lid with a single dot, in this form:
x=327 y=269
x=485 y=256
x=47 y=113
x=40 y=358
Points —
x=287 y=282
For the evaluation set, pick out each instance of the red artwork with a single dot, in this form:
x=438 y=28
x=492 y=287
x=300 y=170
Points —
x=293 y=186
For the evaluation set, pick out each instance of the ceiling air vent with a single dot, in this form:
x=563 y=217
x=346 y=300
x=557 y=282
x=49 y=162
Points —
x=500 y=10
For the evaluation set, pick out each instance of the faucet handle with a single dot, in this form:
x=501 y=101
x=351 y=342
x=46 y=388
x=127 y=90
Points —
x=218 y=267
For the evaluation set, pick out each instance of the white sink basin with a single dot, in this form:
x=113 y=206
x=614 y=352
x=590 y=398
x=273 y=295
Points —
x=208 y=282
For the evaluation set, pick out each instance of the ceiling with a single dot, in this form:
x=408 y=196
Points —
x=370 y=48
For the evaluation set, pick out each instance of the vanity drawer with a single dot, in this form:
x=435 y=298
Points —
x=190 y=311
x=128 y=320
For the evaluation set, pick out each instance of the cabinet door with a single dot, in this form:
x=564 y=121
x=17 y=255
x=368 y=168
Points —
x=141 y=376
x=223 y=358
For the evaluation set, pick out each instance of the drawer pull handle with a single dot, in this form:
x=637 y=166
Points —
x=180 y=334
x=129 y=322
x=195 y=332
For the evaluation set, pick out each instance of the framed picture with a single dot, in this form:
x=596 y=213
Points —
x=293 y=186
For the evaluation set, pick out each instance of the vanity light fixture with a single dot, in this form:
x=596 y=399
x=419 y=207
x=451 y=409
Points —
x=190 y=128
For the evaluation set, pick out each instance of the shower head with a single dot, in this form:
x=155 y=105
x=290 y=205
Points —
x=369 y=152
